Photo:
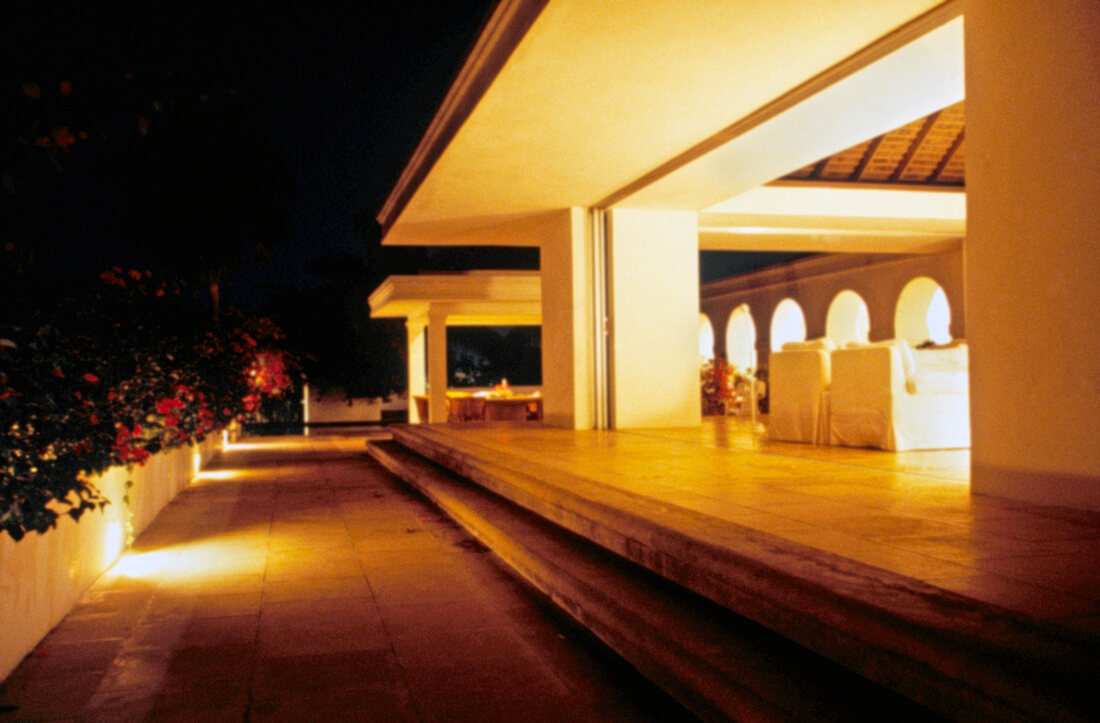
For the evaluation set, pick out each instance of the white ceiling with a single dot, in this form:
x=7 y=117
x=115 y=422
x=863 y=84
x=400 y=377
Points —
x=598 y=96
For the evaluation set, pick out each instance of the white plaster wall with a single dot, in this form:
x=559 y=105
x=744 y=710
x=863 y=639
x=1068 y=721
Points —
x=814 y=283
x=1033 y=248
x=334 y=408
x=654 y=304
x=42 y=576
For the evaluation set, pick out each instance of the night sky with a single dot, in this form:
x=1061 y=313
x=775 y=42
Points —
x=303 y=116
x=285 y=127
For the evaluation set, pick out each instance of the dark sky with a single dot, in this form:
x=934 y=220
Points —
x=327 y=100
x=305 y=116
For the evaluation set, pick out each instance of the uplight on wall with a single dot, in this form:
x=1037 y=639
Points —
x=112 y=542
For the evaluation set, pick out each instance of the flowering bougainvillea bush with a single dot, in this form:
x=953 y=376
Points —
x=113 y=377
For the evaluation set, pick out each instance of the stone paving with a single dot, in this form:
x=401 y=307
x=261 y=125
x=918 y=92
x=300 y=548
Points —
x=297 y=580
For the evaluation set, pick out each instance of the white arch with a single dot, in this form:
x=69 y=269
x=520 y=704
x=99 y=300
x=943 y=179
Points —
x=923 y=313
x=788 y=324
x=848 y=318
x=741 y=339
x=706 y=337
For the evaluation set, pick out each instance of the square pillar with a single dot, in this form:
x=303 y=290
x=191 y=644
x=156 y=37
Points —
x=416 y=339
x=437 y=364
x=1031 y=252
x=565 y=260
x=653 y=299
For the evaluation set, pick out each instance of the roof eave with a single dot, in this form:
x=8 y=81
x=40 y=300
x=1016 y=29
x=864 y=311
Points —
x=505 y=28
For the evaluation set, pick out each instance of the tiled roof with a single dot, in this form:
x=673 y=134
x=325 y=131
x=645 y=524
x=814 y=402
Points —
x=929 y=151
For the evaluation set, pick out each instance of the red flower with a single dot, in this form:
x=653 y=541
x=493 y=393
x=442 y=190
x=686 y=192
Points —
x=66 y=87
x=57 y=373
x=93 y=419
x=63 y=137
x=135 y=274
x=91 y=378
x=165 y=406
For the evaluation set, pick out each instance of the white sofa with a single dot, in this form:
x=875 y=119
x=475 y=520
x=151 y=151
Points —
x=889 y=396
x=798 y=402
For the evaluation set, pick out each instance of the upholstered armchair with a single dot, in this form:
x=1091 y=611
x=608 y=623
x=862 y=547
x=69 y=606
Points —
x=798 y=382
x=886 y=395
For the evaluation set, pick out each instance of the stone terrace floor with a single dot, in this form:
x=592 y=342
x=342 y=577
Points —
x=910 y=513
x=296 y=580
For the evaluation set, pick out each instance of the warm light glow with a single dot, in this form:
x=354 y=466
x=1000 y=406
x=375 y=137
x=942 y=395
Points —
x=196 y=462
x=849 y=202
x=112 y=542
x=706 y=337
x=137 y=564
x=239 y=553
x=741 y=339
x=848 y=318
x=923 y=313
x=280 y=444
x=788 y=324
x=218 y=474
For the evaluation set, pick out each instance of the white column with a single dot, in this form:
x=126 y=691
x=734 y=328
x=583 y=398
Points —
x=567 y=325
x=654 y=305
x=437 y=364
x=417 y=381
x=1032 y=252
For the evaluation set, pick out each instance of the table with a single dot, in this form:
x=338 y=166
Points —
x=517 y=408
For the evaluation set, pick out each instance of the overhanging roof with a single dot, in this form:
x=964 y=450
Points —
x=651 y=104
x=481 y=298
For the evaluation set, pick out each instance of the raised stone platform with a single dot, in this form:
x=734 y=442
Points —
x=958 y=655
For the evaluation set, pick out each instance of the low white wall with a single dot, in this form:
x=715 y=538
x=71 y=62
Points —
x=42 y=576
x=334 y=408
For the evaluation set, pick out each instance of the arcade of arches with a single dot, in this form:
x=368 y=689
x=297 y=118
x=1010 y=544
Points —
x=848 y=298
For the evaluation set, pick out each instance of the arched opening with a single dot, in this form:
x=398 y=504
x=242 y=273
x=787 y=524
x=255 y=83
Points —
x=788 y=324
x=923 y=313
x=848 y=318
x=706 y=337
x=741 y=339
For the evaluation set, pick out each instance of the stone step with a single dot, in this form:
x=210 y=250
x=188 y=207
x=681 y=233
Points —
x=964 y=658
x=717 y=664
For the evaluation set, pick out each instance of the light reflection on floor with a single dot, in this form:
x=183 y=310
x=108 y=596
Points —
x=741 y=434
x=911 y=513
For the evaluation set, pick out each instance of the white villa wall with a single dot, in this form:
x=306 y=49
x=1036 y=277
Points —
x=43 y=576
x=334 y=408
x=1033 y=249
x=816 y=281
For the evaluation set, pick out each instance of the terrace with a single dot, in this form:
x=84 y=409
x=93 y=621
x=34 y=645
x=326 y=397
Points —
x=883 y=562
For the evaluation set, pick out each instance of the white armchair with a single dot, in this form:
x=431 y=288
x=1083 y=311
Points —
x=886 y=395
x=798 y=401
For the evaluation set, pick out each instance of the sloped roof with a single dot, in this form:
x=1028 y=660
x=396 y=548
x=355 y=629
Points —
x=928 y=151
